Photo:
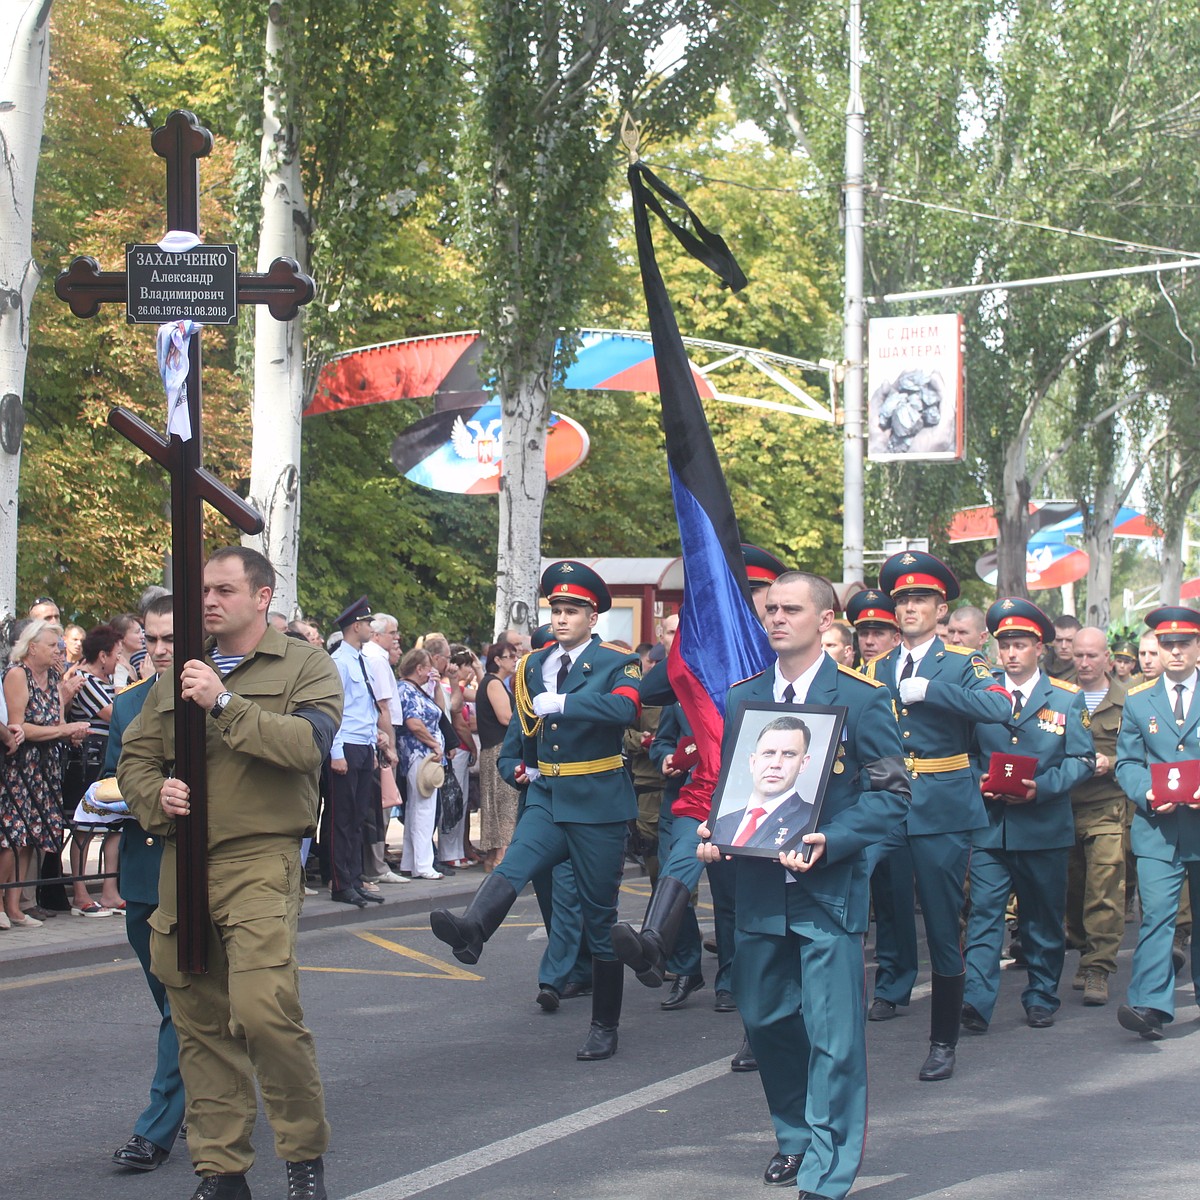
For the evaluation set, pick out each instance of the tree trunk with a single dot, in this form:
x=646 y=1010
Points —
x=1177 y=499
x=1012 y=520
x=278 y=345
x=526 y=409
x=1098 y=542
x=25 y=48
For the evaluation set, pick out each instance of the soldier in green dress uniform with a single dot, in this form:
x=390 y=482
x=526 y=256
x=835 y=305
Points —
x=574 y=701
x=1161 y=725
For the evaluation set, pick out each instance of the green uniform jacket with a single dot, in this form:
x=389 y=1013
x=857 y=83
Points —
x=1106 y=724
x=961 y=692
x=867 y=797
x=601 y=700
x=140 y=852
x=1149 y=735
x=264 y=750
x=1053 y=728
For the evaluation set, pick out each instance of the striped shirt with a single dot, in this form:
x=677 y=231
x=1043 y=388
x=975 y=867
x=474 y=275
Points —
x=95 y=694
x=226 y=662
x=1092 y=699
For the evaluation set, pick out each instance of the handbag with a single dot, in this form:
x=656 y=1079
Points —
x=450 y=797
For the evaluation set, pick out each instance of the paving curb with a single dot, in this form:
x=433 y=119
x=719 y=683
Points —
x=102 y=940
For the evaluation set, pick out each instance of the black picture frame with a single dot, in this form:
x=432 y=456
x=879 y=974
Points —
x=782 y=828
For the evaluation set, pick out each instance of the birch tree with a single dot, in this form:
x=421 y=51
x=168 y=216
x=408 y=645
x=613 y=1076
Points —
x=25 y=46
x=279 y=391
x=553 y=78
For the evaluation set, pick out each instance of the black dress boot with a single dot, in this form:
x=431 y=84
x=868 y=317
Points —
x=647 y=952
x=465 y=935
x=608 y=983
x=944 y=1020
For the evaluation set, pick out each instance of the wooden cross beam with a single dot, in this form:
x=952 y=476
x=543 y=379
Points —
x=182 y=141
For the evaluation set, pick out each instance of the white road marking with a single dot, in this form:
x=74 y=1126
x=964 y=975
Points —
x=542 y=1135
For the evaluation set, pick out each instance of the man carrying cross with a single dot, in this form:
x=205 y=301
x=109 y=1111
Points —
x=273 y=704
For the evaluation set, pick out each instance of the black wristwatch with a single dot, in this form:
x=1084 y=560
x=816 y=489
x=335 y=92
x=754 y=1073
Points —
x=219 y=704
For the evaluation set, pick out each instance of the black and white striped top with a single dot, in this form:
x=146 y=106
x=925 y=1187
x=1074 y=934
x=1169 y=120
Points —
x=95 y=694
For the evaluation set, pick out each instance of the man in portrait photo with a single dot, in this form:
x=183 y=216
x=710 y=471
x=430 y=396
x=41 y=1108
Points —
x=776 y=816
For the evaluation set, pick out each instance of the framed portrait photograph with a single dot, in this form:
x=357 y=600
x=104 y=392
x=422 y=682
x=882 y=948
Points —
x=773 y=783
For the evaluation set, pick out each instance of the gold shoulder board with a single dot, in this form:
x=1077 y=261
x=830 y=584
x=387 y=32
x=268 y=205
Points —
x=845 y=670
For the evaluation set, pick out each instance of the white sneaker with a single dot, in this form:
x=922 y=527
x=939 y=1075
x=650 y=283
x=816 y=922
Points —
x=309 y=891
x=386 y=877
x=429 y=875
x=5 y=923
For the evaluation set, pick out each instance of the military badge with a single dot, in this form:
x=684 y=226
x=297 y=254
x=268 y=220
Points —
x=781 y=836
x=908 y=560
x=1087 y=719
x=1153 y=724
x=566 y=568
x=633 y=670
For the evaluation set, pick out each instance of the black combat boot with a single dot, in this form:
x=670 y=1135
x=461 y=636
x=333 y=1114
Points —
x=222 y=1187
x=647 y=952
x=608 y=983
x=465 y=935
x=944 y=1020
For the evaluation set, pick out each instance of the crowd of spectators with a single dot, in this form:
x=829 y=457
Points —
x=443 y=716
x=445 y=709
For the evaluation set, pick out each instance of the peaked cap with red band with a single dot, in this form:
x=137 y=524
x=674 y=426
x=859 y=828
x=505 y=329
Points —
x=762 y=569
x=1012 y=616
x=570 y=580
x=1174 y=620
x=871 y=608
x=915 y=570
x=541 y=637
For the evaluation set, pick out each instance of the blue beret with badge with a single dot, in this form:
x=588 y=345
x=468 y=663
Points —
x=917 y=571
x=570 y=580
x=1013 y=616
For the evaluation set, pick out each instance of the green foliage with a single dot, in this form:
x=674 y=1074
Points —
x=1080 y=116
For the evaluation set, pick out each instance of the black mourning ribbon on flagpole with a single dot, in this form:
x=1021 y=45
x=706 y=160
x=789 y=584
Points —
x=703 y=245
x=690 y=448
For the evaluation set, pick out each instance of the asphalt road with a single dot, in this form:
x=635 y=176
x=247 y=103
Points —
x=449 y=1083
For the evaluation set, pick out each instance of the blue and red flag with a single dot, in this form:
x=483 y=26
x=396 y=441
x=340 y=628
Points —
x=720 y=640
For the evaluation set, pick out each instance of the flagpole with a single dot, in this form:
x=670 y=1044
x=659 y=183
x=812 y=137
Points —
x=853 y=535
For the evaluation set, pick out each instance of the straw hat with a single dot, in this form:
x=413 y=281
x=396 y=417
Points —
x=430 y=774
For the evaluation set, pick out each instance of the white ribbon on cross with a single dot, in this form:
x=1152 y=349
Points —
x=173 y=367
x=173 y=347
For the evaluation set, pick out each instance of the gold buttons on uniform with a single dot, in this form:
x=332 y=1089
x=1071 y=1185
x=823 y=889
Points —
x=906 y=733
x=1014 y=741
x=553 y=747
x=904 y=712
x=149 y=841
x=553 y=726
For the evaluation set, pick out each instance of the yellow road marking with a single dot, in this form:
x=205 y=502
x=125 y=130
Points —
x=441 y=970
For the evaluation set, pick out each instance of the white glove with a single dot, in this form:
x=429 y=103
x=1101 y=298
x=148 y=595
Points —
x=532 y=773
x=913 y=689
x=546 y=703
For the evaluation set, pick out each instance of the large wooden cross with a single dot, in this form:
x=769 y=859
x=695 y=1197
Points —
x=182 y=141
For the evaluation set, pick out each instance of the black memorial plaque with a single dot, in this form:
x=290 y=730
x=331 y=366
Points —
x=200 y=284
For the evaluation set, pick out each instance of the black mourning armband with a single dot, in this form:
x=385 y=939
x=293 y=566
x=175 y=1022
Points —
x=889 y=775
x=323 y=726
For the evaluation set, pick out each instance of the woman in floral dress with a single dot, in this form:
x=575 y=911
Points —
x=30 y=801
